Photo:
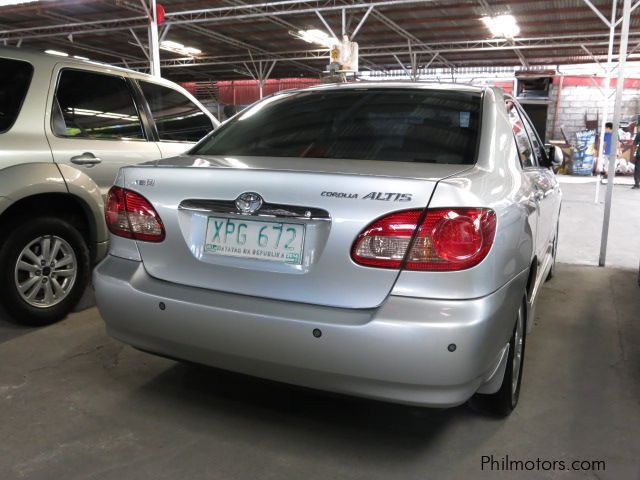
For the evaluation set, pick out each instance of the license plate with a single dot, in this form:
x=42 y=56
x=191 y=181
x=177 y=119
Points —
x=263 y=240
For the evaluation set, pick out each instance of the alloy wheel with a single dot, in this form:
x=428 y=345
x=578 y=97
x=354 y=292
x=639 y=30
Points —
x=45 y=271
x=517 y=351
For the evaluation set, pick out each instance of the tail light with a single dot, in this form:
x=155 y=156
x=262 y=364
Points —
x=130 y=215
x=447 y=239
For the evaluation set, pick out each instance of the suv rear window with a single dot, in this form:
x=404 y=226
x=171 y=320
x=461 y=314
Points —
x=386 y=124
x=15 y=78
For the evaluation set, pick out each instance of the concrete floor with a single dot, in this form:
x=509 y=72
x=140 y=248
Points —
x=581 y=223
x=75 y=404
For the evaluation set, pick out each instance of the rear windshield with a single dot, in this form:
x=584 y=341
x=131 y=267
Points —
x=403 y=125
x=15 y=77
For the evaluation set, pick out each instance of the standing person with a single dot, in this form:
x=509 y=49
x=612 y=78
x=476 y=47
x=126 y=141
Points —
x=608 y=130
x=604 y=152
x=636 y=172
x=621 y=165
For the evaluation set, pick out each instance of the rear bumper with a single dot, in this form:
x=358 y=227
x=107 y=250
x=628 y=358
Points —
x=397 y=352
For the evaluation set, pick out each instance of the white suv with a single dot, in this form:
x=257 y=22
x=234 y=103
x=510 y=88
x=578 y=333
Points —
x=66 y=127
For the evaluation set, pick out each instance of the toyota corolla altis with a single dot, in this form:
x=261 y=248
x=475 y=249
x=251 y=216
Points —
x=380 y=240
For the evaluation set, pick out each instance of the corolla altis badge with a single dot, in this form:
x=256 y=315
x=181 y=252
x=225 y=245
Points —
x=249 y=202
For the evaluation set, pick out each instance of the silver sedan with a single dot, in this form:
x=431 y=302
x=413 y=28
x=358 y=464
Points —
x=381 y=240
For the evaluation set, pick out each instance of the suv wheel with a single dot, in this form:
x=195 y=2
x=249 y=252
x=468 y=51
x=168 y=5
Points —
x=44 y=269
x=505 y=400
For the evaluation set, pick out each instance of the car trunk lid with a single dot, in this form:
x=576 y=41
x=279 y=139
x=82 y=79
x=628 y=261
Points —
x=322 y=206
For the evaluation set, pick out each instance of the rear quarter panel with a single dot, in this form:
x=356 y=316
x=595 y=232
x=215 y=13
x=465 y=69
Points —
x=27 y=179
x=497 y=182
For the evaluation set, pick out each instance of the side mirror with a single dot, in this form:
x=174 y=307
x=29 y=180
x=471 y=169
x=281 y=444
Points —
x=556 y=157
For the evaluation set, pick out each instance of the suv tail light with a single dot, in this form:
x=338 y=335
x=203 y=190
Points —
x=447 y=239
x=130 y=215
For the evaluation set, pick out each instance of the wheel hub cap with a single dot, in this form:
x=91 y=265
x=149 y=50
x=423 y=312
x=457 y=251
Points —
x=517 y=351
x=45 y=271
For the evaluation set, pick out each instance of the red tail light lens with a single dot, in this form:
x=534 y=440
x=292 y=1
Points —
x=130 y=215
x=448 y=239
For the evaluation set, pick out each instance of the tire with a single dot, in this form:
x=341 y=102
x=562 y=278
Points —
x=503 y=402
x=49 y=293
x=552 y=270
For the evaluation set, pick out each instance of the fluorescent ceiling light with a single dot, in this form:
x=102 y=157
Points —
x=80 y=58
x=176 y=47
x=313 y=35
x=170 y=44
x=6 y=3
x=504 y=26
x=56 y=52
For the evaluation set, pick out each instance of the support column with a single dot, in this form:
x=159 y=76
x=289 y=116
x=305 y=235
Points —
x=607 y=94
x=154 y=44
x=617 y=110
x=260 y=79
x=265 y=72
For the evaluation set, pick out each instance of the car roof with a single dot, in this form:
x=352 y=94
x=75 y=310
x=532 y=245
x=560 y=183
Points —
x=46 y=60
x=38 y=58
x=458 y=87
x=391 y=85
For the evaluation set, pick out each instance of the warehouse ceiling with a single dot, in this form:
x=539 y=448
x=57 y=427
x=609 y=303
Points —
x=234 y=35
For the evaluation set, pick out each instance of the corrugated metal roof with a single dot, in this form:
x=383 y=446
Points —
x=428 y=23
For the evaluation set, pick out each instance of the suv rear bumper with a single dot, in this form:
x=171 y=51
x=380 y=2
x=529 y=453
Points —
x=398 y=351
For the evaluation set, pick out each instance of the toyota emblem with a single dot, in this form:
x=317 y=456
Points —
x=249 y=202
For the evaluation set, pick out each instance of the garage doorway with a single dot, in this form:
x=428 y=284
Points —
x=538 y=114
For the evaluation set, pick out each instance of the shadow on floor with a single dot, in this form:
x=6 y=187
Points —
x=10 y=329
x=209 y=396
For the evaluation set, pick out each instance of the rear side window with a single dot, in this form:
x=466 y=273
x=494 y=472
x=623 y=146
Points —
x=95 y=105
x=525 y=150
x=386 y=124
x=177 y=118
x=15 y=78
x=538 y=149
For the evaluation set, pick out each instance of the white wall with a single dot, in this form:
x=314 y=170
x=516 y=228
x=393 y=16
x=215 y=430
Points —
x=576 y=101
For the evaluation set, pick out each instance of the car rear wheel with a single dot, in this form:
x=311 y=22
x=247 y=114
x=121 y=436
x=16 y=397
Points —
x=554 y=252
x=506 y=398
x=44 y=268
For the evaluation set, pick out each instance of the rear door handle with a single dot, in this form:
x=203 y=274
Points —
x=87 y=159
